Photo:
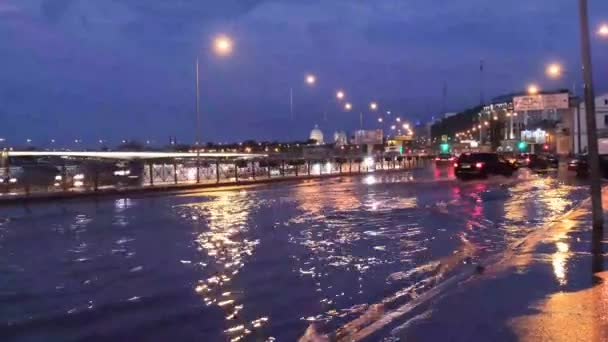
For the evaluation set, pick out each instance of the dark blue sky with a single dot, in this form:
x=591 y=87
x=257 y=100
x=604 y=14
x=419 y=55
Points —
x=124 y=68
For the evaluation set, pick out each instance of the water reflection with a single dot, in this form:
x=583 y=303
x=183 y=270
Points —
x=226 y=244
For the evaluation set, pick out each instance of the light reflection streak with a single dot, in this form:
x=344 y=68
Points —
x=226 y=215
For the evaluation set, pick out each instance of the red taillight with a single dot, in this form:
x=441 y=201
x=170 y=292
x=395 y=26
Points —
x=451 y=158
x=479 y=165
x=527 y=160
x=455 y=164
x=437 y=159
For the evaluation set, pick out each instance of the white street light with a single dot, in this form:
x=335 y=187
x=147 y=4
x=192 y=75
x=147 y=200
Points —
x=340 y=95
x=603 y=30
x=533 y=89
x=554 y=70
x=311 y=79
x=222 y=45
x=348 y=106
x=373 y=106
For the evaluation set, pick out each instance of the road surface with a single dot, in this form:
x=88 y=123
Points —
x=261 y=262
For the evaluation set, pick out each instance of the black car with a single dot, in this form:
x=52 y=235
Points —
x=580 y=165
x=482 y=165
x=444 y=158
x=542 y=162
x=523 y=160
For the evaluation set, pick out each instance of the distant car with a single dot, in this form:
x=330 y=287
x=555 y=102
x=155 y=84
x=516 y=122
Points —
x=523 y=160
x=553 y=160
x=542 y=162
x=444 y=158
x=580 y=165
x=482 y=165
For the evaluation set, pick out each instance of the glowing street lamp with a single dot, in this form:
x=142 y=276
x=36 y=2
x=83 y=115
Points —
x=406 y=126
x=603 y=30
x=373 y=106
x=380 y=120
x=393 y=127
x=222 y=45
x=398 y=119
x=311 y=79
x=340 y=95
x=554 y=70
x=348 y=106
x=533 y=89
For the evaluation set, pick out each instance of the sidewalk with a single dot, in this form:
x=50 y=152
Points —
x=552 y=287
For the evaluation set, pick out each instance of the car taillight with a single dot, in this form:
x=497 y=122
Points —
x=527 y=160
x=455 y=164
x=451 y=158
x=437 y=159
x=479 y=165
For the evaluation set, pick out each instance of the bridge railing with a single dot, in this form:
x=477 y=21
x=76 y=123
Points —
x=91 y=176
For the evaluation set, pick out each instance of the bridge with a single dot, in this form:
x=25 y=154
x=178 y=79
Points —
x=125 y=155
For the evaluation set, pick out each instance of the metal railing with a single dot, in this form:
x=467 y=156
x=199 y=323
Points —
x=86 y=176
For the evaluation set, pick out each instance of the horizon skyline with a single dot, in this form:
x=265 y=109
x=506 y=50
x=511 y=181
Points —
x=124 y=70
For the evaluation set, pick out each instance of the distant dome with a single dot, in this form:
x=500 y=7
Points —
x=317 y=135
x=340 y=138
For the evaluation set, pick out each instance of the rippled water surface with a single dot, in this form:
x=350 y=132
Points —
x=256 y=263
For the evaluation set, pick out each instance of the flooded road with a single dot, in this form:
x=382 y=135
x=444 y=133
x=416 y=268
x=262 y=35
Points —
x=258 y=263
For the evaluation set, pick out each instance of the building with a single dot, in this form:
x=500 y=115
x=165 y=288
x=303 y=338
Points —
x=340 y=138
x=580 y=126
x=317 y=135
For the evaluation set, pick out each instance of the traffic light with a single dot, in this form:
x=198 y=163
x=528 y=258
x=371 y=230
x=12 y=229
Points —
x=445 y=148
x=522 y=145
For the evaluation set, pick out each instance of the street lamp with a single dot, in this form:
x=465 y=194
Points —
x=406 y=126
x=348 y=106
x=380 y=120
x=222 y=45
x=398 y=119
x=603 y=30
x=393 y=127
x=340 y=95
x=311 y=79
x=554 y=70
x=533 y=89
x=373 y=106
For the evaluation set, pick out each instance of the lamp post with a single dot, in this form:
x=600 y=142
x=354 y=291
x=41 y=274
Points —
x=593 y=157
x=222 y=46
x=556 y=71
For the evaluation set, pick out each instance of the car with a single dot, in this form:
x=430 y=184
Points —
x=580 y=165
x=482 y=165
x=444 y=158
x=542 y=162
x=523 y=160
x=553 y=160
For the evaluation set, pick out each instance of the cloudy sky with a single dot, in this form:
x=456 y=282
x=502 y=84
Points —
x=114 y=69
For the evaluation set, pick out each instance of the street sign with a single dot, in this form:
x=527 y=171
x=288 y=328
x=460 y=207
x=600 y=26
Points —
x=541 y=102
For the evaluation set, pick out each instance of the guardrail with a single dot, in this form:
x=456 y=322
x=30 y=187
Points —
x=91 y=176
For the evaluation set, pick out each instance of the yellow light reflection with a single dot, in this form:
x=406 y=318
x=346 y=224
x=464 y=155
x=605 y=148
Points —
x=224 y=241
